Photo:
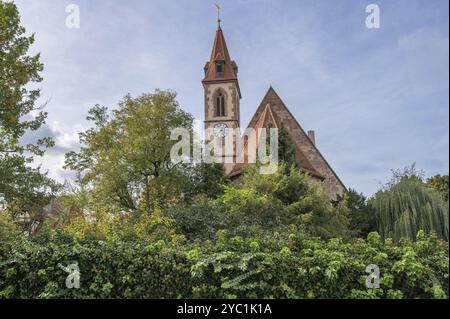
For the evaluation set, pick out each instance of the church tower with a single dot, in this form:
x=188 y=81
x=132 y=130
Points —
x=222 y=117
x=222 y=95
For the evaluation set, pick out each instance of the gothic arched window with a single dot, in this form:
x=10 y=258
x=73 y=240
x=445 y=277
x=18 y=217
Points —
x=220 y=104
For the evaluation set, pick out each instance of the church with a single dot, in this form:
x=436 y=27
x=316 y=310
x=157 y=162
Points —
x=222 y=97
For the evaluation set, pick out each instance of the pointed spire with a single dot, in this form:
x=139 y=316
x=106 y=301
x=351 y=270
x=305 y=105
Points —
x=220 y=50
x=220 y=56
x=220 y=67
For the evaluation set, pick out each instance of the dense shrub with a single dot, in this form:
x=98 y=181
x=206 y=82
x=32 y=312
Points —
x=362 y=215
x=261 y=204
x=288 y=265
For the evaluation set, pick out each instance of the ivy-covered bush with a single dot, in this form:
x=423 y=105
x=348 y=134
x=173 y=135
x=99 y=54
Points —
x=288 y=265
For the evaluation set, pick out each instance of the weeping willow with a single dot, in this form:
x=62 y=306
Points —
x=410 y=206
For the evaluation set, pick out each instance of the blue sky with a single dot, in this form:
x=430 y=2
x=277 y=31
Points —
x=377 y=98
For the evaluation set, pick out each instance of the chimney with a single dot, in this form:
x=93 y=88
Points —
x=312 y=136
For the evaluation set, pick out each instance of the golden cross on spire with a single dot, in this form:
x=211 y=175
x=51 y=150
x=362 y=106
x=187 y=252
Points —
x=218 y=14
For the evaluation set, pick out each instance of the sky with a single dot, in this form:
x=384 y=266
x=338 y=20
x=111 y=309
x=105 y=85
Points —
x=378 y=99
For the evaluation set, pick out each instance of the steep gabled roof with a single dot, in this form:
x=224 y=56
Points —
x=220 y=53
x=309 y=157
x=269 y=115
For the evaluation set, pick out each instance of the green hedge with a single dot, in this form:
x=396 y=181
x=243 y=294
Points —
x=284 y=266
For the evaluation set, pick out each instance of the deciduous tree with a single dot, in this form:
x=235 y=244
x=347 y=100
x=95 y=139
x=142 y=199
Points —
x=24 y=188
x=125 y=157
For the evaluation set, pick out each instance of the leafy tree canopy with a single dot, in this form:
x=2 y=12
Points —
x=125 y=156
x=24 y=188
x=408 y=205
x=440 y=184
